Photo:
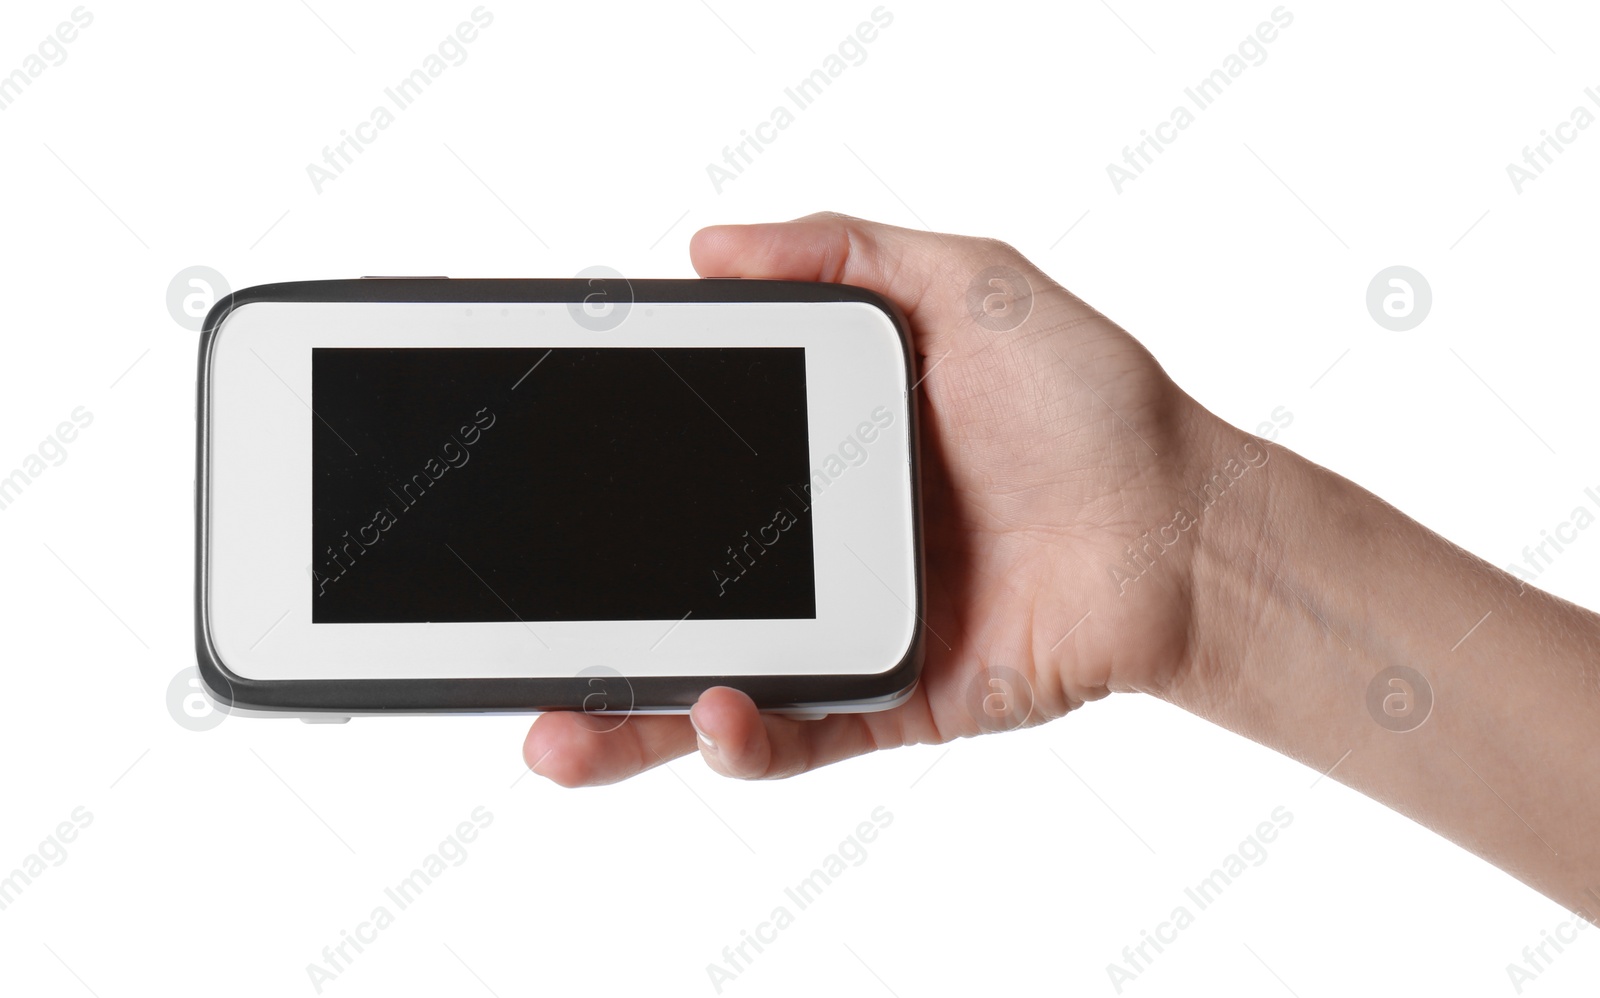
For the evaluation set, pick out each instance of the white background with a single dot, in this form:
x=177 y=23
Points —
x=224 y=861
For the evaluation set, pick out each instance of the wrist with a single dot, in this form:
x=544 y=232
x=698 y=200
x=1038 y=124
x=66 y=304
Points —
x=1281 y=591
x=1235 y=487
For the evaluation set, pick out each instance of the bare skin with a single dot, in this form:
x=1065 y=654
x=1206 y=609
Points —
x=1061 y=472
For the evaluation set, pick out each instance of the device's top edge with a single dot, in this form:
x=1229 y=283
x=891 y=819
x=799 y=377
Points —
x=708 y=290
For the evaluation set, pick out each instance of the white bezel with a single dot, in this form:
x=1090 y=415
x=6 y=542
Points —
x=259 y=498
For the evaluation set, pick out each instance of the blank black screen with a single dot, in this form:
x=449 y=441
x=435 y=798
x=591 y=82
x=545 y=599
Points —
x=560 y=484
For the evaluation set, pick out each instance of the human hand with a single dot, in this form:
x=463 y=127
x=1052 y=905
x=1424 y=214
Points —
x=1051 y=439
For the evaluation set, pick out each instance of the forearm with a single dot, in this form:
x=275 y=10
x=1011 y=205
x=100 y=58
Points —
x=1307 y=587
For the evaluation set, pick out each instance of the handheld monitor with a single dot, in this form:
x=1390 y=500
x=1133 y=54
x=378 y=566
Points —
x=432 y=495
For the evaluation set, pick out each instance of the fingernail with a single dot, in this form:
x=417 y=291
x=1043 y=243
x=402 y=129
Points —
x=705 y=739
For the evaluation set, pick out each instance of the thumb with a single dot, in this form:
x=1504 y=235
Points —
x=937 y=280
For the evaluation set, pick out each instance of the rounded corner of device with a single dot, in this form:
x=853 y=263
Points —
x=882 y=690
x=879 y=301
x=221 y=311
x=225 y=307
x=219 y=683
x=227 y=690
x=907 y=673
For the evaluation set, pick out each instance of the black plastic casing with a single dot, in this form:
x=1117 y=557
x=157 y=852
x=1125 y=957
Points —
x=616 y=694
